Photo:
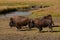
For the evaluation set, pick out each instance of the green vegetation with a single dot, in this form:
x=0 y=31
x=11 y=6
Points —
x=39 y=14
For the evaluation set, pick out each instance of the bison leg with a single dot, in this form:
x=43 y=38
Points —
x=40 y=29
x=51 y=30
x=50 y=27
x=29 y=28
x=31 y=25
x=18 y=27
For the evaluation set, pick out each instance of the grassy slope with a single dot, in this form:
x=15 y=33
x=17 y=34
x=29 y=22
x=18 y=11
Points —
x=54 y=9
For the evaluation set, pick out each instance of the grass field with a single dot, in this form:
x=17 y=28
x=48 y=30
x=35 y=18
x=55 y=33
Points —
x=7 y=33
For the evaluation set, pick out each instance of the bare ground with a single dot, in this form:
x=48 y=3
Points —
x=7 y=33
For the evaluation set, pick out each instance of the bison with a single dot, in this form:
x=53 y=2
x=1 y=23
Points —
x=18 y=21
x=40 y=23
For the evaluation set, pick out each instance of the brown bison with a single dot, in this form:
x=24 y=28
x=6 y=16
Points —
x=18 y=21
x=46 y=21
